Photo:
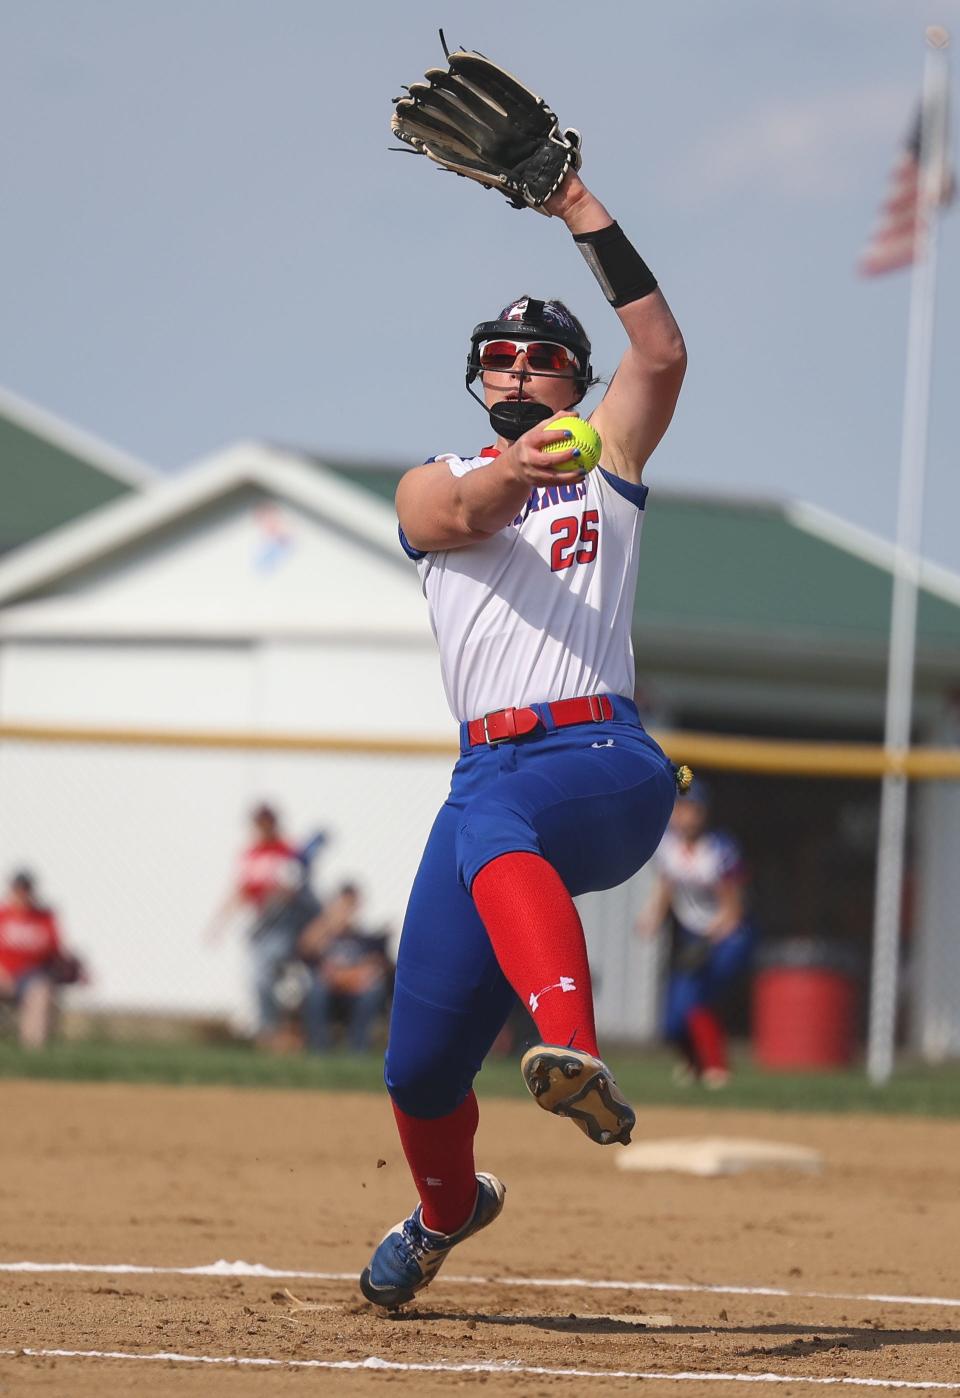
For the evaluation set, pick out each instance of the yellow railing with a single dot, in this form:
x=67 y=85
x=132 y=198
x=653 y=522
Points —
x=700 y=750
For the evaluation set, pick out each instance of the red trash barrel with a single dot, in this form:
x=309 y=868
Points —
x=804 y=1005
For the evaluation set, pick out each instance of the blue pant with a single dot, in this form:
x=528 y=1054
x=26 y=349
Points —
x=362 y=1011
x=701 y=989
x=268 y=951
x=593 y=800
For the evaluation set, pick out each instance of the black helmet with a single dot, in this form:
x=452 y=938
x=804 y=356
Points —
x=529 y=319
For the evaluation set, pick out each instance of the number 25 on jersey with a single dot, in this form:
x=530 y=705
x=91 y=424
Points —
x=575 y=540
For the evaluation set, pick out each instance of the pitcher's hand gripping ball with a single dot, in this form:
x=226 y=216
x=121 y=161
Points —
x=585 y=437
x=476 y=119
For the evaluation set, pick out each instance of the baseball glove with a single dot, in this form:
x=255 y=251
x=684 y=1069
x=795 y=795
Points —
x=65 y=969
x=475 y=119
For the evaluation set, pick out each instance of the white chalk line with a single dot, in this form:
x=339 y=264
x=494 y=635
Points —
x=258 y=1269
x=373 y=1362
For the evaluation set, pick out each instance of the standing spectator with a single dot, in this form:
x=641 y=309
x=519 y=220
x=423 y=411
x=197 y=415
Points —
x=273 y=887
x=350 y=973
x=30 y=954
x=700 y=885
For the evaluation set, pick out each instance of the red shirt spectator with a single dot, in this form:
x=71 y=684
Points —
x=29 y=937
x=32 y=960
x=269 y=866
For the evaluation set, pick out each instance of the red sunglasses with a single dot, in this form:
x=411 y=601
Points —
x=543 y=356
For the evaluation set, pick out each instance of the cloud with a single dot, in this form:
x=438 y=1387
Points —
x=804 y=148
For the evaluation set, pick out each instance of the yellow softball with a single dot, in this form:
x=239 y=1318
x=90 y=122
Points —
x=584 y=436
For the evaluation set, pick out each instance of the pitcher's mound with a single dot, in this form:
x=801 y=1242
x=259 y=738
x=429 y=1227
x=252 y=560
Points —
x=716 y=1155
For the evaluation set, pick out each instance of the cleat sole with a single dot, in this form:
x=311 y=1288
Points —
x=582 y=1089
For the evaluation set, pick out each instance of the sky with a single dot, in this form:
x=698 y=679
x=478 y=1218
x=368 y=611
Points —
x=206 y=238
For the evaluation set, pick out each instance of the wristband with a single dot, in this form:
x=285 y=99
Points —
x=618 y=267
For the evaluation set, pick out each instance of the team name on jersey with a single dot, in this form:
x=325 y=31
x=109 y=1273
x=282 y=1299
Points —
x=26 y=934
x=549 y=496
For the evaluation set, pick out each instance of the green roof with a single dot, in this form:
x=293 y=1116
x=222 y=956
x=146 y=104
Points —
x=721 y=564
x=50 y=475
x=737 y=570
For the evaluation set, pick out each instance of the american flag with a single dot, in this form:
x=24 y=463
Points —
x=903 y=217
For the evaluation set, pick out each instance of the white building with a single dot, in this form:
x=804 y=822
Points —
x=262 y=593
x=255 y=594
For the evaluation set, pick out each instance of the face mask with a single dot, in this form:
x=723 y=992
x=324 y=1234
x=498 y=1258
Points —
x=511 y=420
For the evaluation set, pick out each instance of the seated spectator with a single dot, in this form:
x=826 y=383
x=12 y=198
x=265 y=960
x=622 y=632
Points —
x=32 y=960
x=350 y=973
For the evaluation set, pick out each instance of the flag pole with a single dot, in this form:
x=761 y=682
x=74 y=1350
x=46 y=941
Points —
x=906 y=571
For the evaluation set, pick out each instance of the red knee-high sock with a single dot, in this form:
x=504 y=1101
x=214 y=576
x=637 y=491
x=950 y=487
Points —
x=439 y=1152
x=707 y=1038
x=537 y=936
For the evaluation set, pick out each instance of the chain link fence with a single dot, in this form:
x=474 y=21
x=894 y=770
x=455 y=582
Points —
x=135 y=844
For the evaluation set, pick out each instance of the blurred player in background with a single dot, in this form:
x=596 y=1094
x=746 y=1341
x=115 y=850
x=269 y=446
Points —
x=700 y=888
x=349 y=973
x=529 y=572
x=32 y=959
x=272 y=886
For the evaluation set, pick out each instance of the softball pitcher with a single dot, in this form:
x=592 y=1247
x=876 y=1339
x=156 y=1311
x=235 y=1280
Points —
x=528 y=563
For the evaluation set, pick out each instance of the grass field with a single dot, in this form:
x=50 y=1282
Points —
x=914 y=1090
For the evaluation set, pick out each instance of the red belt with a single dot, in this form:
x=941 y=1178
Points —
x=505 y=724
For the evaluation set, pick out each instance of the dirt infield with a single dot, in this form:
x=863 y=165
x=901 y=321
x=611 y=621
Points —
x=180 y=1177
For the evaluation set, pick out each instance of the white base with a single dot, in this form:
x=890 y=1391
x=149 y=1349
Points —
x=716 y=1155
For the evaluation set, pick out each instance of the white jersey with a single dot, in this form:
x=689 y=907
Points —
x=695 y=872
x=543 y=609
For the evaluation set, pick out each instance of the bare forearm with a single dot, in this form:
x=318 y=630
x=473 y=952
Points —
x=730 y=910
x=649 y=321
x=638 y=406
x=664 y=900
x=490 y=498
x=440 y=511
x=221 y=915
x=580 y=210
